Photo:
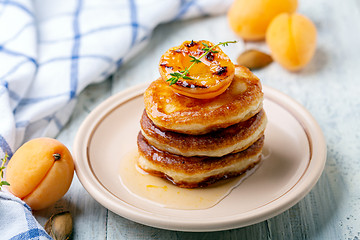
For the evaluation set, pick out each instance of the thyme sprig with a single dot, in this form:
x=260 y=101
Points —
x=175 y=76
x=3 y=182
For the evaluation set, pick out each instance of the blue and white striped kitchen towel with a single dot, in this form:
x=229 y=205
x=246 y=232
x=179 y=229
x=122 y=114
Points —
x=51 y=50
x=16 y=220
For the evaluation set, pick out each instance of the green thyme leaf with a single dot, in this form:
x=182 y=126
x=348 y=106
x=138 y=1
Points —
x=175 y=74
x=3 y=160
x=3 y=183
x=205 y=44
x=187 y=77
x=194 y=59
x=173 y=81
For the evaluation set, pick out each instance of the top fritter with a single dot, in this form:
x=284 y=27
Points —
x=171 y=111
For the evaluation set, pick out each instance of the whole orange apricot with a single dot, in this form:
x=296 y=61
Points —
x=250 y=18
x=40 y=172
x=292 y=40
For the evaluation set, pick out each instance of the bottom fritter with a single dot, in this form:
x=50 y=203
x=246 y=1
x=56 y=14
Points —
x=191 y=172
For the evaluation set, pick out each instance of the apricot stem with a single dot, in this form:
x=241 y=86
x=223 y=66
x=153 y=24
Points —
x=56 y=156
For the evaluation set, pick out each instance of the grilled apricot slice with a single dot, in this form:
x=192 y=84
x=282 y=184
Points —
x=206 y=79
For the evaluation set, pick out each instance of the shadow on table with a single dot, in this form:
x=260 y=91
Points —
x=318 y=63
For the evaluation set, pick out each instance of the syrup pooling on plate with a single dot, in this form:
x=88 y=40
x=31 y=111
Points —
x=266 y=152
x=164 y=193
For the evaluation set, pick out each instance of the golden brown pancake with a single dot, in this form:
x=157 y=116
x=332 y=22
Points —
x=218 y=143
x=190 y=172
x=170 y=111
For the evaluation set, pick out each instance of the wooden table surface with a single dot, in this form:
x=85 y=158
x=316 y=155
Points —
x=328 y=87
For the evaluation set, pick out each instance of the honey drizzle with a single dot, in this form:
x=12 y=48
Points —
x=165 y=194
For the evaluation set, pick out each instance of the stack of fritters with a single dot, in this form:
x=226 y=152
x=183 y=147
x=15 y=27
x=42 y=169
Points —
x=196 y=142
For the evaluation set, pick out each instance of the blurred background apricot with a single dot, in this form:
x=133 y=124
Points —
x=250 y=18
x=291 y=39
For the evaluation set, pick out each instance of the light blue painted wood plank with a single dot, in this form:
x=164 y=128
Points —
x=328 y=88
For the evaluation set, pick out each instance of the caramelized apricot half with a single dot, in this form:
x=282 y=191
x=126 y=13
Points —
x=206 y=79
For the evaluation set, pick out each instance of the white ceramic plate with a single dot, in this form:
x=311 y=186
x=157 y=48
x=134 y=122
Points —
x=293 y=138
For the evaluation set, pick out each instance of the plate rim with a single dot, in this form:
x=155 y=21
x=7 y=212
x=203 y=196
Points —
x=275 y=207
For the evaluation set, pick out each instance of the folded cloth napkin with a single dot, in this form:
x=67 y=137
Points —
x=51 y=50
x=16 y=220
